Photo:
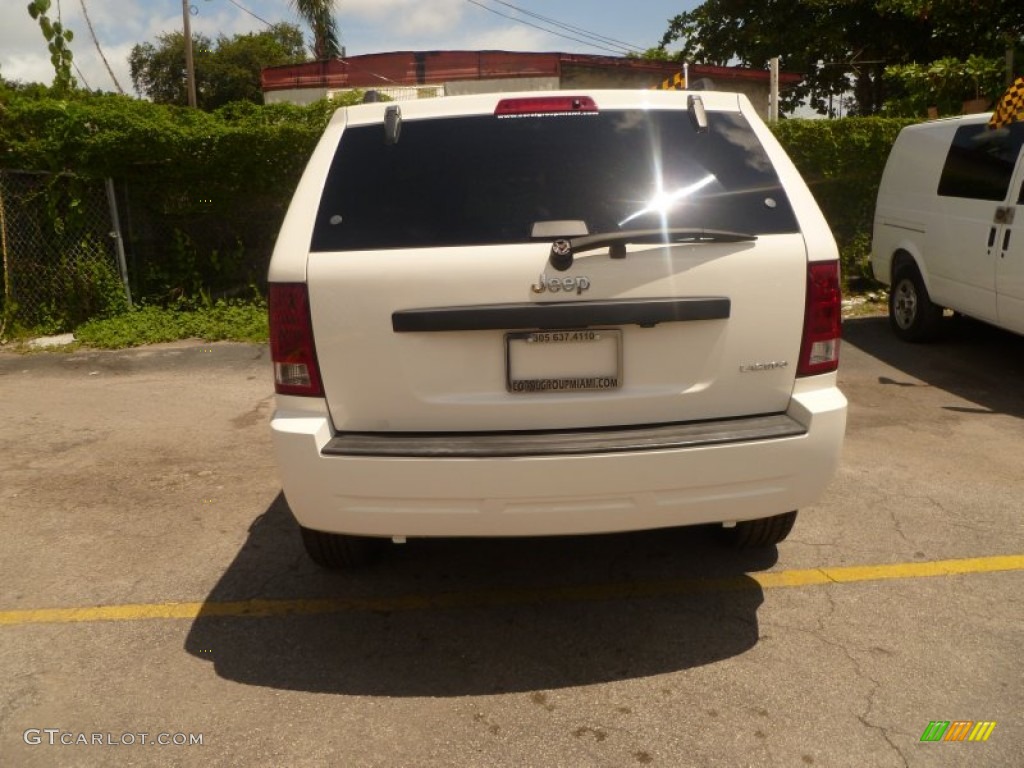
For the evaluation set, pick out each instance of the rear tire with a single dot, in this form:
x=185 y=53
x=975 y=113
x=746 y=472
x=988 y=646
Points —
x=336 y=551
x=912 y=315
x=763 y=532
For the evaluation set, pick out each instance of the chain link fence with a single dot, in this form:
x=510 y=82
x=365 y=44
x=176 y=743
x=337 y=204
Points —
x=77 y=248
x=60 y=246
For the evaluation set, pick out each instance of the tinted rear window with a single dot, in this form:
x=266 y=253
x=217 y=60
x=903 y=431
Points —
x=980 y=162
x=487 y=180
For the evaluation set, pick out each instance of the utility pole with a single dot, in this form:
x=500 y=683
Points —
x=773 y=98
x=190 y=68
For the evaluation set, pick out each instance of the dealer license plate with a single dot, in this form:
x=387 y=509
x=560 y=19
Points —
x=538 y=362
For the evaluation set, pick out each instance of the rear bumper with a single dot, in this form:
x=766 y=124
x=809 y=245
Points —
x=652 y=478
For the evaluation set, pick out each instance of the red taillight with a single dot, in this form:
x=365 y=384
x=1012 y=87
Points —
x=544 y=105
x=291 y=341
x=819 y=350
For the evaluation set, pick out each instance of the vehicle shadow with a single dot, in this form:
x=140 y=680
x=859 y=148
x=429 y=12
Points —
x=477 y=617
x=970 y=359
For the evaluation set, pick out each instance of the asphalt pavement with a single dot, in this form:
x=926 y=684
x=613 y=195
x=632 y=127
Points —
x=154 y=593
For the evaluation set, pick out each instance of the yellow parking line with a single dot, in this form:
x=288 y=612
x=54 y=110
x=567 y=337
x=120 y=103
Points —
x=854 y=573
x=265 y=608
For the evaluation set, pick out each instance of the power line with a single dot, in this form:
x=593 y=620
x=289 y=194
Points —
x=243 y=8
x=545 y=29
x=80 y=75
x=99 y=50
x=596 y=41
x=593 y=40
x=60 y=20
x=570 y=27
x=342 y=59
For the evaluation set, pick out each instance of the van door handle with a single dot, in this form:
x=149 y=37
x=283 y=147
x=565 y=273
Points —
x=1004 y=214
x=1006 y=241
x=991 y=237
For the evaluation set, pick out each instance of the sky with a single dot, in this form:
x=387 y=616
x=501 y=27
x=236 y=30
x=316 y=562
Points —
x=367 y=26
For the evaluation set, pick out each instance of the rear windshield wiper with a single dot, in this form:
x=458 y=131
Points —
x=564 y=249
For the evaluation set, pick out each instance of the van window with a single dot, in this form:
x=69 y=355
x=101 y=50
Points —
x=980 y=162
x=486 y=180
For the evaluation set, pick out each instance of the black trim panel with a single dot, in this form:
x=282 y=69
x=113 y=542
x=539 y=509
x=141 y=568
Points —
x=903 y=227
x=564 y=314
x=478 y=445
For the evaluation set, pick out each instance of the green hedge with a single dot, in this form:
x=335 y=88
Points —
x=115 y=136
x=842 y=162
x=203 y=194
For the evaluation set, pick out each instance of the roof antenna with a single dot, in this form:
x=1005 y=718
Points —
x=392 y=123
x=695 y=105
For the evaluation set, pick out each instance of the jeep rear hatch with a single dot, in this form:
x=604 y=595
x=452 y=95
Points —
x=434 y=308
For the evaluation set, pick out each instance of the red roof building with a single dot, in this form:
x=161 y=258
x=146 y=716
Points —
x=417 y=74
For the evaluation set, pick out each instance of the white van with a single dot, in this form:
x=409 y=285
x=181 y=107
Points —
x=949 y=225
x=552 y=313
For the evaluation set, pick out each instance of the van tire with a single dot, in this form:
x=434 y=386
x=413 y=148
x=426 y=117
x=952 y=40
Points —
x=763 y=532
x=337 y=552
x=912 y=315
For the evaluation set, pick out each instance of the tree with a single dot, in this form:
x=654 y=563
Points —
x=236 y=63
x=961 y=29
x=319 y=14
x=226 y=71
x=58 y=42
x=968 y=59
x=158 y=71
x=12 y=88
x=844 y=45
x=943 y=85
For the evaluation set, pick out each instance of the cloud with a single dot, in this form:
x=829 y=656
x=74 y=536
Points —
x=431 y=18
x=388 y=10
x=367 y=26
x=372 y=26
x=24 y=54
x=119 y=25
x=400 y=19
x=516 y=38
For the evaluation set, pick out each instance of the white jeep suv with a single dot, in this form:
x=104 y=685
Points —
x=552 y=313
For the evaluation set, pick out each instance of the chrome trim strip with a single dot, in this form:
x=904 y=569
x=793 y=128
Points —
x=461 y=445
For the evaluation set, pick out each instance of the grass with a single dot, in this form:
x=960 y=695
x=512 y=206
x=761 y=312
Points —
x=867 y=304
x=246 y=321
x=220 y=321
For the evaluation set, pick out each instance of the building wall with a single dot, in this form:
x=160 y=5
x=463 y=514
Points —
x=757 y=94
x=400 y=93
x=589 y=77
x=402 y=75
x=500 y=85
x=592 y=77
x=300 y=96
